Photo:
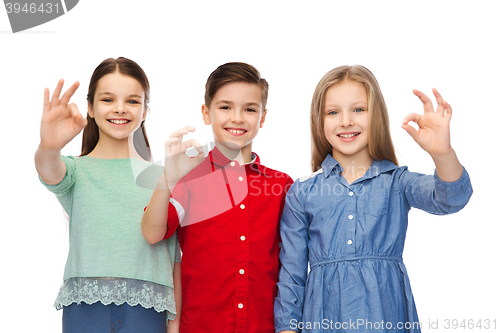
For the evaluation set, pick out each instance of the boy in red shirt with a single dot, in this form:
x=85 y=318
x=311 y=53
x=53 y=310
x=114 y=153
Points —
x=226 y=209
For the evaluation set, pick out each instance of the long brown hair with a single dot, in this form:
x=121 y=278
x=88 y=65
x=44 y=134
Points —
x=380 y=144
x=234 y=72
x=91 y=131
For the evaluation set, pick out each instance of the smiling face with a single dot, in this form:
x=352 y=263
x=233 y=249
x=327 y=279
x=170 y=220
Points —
x=346 y=120
x=118 y=107
x=236 y=115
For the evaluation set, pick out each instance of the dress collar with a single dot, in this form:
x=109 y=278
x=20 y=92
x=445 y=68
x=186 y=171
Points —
x=378 y=167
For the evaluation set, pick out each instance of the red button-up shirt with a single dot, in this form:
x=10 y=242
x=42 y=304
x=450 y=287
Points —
x=229 y=236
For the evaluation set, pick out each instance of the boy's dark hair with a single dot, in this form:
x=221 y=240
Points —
x=91 y=131
x=234 y=72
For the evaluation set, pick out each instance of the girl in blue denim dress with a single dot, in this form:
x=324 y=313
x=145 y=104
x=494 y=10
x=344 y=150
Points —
x=348 y=220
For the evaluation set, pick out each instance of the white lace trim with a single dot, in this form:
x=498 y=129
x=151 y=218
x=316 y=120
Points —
x=117 y=291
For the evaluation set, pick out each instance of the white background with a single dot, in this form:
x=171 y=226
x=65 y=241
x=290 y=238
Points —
x=451 y=45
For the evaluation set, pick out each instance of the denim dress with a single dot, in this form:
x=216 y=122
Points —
x=352 y=238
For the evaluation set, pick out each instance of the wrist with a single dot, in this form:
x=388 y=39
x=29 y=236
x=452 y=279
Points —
x=444 y=157
x=48 y=150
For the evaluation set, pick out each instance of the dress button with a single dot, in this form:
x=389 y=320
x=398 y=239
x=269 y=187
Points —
x=242 y=206
x=350 y=217
x=349 y=242
x=242 y=238
x=240 y=178
x=351 y=193
x=242 y=271
x=240 y=306
x=233 y=164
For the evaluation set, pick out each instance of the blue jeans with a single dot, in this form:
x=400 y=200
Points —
x=99 y=318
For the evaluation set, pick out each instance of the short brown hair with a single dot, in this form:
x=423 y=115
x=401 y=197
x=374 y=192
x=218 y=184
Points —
x=234 y=72
x=91 y=131
x=380 y=143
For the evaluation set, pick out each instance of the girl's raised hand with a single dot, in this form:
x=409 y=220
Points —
x=177 y=163
x=61 y=121
x=433 y=134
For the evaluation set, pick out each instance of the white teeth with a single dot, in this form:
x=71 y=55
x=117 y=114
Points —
x=119 y=122
x=348 y=135
x=236 y=131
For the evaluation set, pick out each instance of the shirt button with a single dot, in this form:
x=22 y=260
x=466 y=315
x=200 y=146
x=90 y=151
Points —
x=349 y=242
x=240 y=306
x=242 y=271
x=351 y=193
x=242 y=238
x=242 y=206
x=350 y=217
x=233 y=164
x=240 y=178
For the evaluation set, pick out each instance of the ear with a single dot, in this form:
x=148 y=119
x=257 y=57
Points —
x=263 y=118
x=145 y=113
x=206 y=115
x=90 y=110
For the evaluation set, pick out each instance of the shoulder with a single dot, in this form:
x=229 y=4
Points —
x=310 y=176
x=272 y=173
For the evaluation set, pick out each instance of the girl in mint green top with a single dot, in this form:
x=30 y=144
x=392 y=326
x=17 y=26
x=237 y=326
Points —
x=110 y=264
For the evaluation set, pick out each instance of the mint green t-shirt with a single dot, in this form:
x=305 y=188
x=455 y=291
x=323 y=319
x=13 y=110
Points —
x=105 y=204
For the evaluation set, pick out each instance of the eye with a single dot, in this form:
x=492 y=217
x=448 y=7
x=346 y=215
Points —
x=224 y=107
x=133 y=102
x=359 y=110
x=251 y=110
x=332 y=113
x=107 y=100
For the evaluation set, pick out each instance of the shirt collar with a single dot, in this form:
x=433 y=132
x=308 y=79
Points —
x=217 y=158
x=378 y=167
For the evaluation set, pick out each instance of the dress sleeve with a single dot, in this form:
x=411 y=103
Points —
x=434 y=195
x=178 y=254
x=289 y=183
x=294 y=261
x=63 y=190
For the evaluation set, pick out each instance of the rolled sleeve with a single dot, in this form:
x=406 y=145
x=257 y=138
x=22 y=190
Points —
x=434 y=195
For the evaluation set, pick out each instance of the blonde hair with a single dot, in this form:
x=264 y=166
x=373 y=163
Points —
x=380 y=144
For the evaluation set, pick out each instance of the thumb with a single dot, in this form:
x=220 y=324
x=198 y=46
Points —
x=411 y=130
x=77 y=116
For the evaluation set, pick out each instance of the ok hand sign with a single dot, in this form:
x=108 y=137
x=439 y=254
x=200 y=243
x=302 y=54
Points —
x=433 y=134
x=61 y=121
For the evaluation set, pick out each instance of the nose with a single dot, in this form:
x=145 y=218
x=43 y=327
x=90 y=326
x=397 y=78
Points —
x=120 y=108
x=346 y=119
x=237 y=117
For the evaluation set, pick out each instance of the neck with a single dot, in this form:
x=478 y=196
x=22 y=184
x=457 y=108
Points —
x=242 y=156
x=108 y=148
x=354 y=166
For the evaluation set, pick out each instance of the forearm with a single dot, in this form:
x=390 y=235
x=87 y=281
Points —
x=155 y=217
x=49 y=165
x=448 y=167
x=177 y=291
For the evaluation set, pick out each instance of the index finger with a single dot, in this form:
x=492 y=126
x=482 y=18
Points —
x=67 y=95
x=425 y=100
x=181 y=132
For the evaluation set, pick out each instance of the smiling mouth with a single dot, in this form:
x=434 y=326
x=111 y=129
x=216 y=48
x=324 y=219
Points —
x=347 y=136
x=119 y=121
x=235 y=131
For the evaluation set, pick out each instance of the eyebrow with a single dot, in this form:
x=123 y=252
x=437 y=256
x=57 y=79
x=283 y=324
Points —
x=229 y=102
x=354 y=103
x=110 y=93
